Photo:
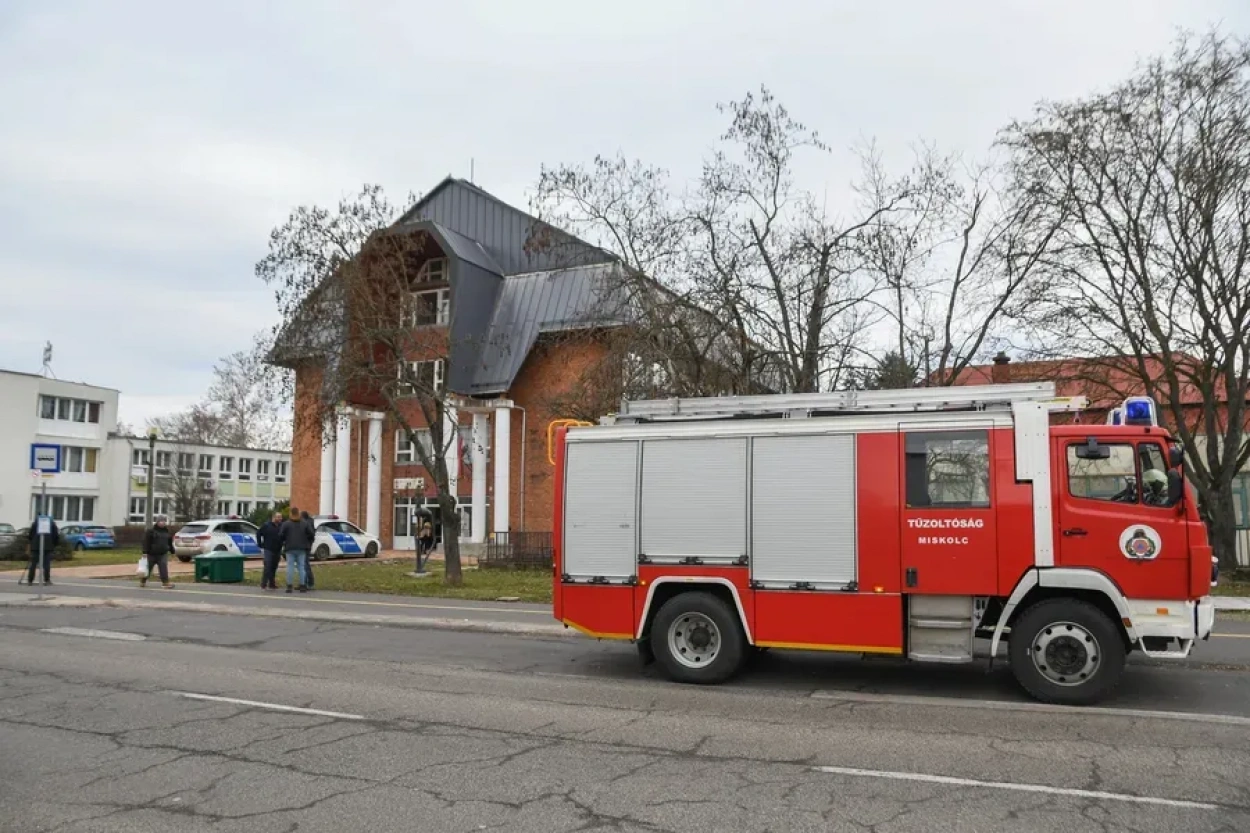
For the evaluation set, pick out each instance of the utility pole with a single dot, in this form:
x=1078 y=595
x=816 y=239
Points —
x=151 y=475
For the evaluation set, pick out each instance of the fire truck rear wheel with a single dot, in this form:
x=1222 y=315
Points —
x=1066 y=651
x=697 y=638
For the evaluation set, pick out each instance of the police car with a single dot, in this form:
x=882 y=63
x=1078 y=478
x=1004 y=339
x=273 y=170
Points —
x=337 y=538
x=232 y=534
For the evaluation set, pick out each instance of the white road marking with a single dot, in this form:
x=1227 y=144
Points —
x=95 y=634
x=277 y=707
x=1045 y=708
x=1004 y=785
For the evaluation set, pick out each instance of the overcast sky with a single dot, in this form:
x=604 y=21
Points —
x=147 y=148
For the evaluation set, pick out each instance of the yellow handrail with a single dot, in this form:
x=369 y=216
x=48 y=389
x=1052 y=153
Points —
x=551 y=430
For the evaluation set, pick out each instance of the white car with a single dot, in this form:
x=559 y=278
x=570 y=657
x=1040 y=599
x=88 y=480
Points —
x=233 y=535
x=337 y=538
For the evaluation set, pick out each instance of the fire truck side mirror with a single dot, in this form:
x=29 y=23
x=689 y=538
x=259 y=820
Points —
x=1093 y=451
x=1176 y=456
x=1176 y=487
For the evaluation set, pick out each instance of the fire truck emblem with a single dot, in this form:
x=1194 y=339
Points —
x=1141 y=543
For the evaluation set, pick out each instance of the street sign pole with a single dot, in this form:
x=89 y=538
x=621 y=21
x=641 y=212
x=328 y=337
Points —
x=43 y=504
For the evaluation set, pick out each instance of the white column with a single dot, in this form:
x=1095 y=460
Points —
x=326 y=502
x=503 y=462
x=373 y=493
x=342 y=466
x=480 y=428
x=451 y=446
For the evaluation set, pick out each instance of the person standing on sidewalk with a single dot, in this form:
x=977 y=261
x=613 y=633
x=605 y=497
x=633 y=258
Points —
x=49 y=544
x=296 y=538
x=269 y=539
x=158 y=545
x=306 y=519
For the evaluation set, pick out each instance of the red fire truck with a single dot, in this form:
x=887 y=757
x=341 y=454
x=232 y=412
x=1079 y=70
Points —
x=933 y=524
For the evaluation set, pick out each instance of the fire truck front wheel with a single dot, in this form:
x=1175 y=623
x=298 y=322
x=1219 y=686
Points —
x=697 y=638
x=1066 y=651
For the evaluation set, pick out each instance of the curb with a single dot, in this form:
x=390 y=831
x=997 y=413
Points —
x=416 y=622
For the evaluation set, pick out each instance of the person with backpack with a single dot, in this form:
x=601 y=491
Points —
x=158 y=545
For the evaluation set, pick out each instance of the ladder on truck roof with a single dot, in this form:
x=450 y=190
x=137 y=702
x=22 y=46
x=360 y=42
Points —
x=792 y=405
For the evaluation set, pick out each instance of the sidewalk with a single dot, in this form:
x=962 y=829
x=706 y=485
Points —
x=178 y=568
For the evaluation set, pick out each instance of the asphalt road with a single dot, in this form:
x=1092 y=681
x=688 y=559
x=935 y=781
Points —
x=103 y=727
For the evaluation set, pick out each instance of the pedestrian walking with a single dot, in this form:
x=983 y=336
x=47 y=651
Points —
x=158 y=545
x=50 y=540
x=312 y=536
x=269 y=539
x=297 y=540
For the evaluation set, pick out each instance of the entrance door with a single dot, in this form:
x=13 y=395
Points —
x=405 y=524
x=1113 y=516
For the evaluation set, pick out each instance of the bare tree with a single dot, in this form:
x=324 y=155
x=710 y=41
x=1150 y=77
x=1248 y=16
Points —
x=1150 y=183
x=245 y=407
x=742 y=279
x=345 y=282
x=189 y=496
x=955 y=260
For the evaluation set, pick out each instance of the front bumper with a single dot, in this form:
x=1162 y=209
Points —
x=1168 y=629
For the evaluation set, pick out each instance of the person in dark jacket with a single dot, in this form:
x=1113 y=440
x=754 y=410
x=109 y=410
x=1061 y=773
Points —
x=158 y=545
x=49 y=544
x=312 y=535
x=269 y=539
x=297 y=538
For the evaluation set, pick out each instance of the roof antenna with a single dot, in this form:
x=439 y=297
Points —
x=471 y=182
x=47 y=361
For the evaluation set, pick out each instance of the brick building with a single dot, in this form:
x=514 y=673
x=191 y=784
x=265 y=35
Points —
x=524 y=325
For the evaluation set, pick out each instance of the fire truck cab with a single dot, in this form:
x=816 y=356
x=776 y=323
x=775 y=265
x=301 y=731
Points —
x=936 y=525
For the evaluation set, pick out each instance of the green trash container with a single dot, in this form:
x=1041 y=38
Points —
x=219 y=568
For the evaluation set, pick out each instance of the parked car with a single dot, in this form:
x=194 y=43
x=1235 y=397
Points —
x=88 y=537
x=8 y=534
x=231 y=534
x=337 y=538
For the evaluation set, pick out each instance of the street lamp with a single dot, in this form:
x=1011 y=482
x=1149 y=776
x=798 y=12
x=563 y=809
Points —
x=151 y=474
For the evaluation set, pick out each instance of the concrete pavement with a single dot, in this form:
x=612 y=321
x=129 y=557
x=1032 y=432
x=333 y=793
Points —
x=145 y=720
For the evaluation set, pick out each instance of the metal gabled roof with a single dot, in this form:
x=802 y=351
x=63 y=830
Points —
x=541 y=302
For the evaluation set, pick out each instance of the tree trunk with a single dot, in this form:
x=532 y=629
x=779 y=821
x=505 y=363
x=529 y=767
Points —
x=454 y=576
x=1222 y=524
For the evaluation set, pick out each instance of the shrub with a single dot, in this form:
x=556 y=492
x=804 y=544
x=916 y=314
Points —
x=19 y=550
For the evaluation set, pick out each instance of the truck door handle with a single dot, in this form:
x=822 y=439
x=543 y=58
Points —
x=1069 y=533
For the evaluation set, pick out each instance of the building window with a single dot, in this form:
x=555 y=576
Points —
x=160 y=506
x=227 y=467
x=88 y=509
x=245 y=509
x=164 y=462
x=262 y=505
x=429 y=307
x=69 y=410
x=139 y=457
x=186 y=463
x=223 y=507
x=406 y=452
x=245 y=468
x=47 y=407
x=75 y=459
x=80 y=410
x=138 y=510
x=948 y=469
x=262 y=469
x=63 y=409
x=420 y=377
x=279 y=471
x=93 y=415
x=206 y=466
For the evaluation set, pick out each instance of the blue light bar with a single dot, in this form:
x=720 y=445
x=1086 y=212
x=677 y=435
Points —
x=1115 y=416
x=1140 y=410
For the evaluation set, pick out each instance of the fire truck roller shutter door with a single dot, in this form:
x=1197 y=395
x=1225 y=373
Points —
x=601 y=510
x=694 y=499
x=803 y=525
